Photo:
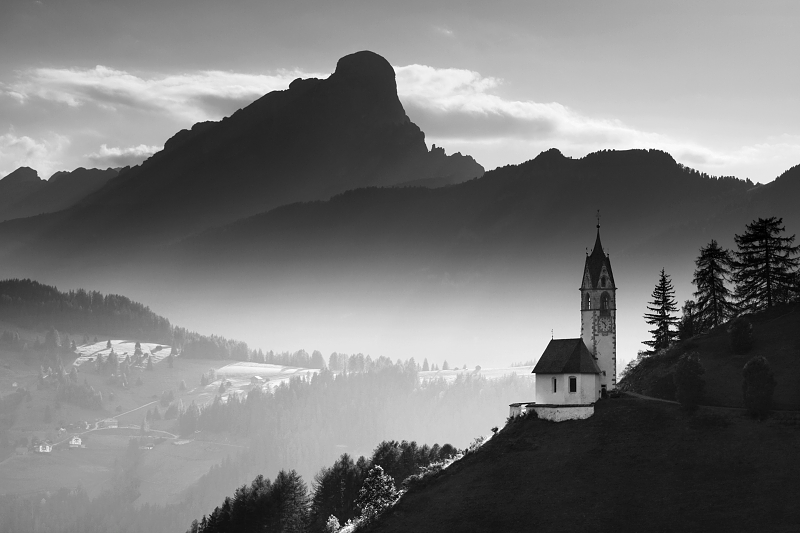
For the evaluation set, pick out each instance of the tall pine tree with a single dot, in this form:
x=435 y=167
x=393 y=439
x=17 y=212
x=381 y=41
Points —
x=713 y=306
x=764 y=270
x=661 y=312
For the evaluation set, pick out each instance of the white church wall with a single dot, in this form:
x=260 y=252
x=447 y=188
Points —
x=588 y=387
x=560 y=413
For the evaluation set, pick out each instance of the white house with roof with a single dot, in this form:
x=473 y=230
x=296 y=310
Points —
x=43 y=448
x=75 y=442
x=572 y=374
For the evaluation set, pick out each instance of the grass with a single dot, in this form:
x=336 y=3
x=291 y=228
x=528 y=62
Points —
x=776 y=336
x=634 y=466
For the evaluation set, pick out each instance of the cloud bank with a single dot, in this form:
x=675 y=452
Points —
x=195 y=96
x=121 y=157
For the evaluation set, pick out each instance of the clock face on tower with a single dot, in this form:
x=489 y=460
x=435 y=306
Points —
x=605 y=325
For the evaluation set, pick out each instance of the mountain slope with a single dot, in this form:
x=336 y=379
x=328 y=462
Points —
x=62 y=190
x=16 y=186
x=633 y=466
x=482 y=270
x=313 y=140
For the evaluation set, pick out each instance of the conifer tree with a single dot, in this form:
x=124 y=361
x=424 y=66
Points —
x=687 y=325
x=713 y=306
x=764 y=270
x=661 y=308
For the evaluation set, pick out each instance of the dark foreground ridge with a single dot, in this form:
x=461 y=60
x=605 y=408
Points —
x=634 y=466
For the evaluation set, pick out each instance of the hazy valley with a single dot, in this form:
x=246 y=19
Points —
x=324 y=266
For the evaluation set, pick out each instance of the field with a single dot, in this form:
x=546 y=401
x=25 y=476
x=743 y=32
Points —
x=91 y=467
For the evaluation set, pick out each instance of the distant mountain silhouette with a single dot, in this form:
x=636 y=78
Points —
x=15 y=186
x=62 y=190
x=308 y=195
x=512 y=212
x=315 y=139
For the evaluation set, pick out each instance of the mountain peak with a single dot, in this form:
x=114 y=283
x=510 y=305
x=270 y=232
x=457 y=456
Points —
x=22 y=174
x=367 y=67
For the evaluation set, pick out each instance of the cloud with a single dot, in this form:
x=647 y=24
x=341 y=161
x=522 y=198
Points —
x=447 y=32
x=203 y=95
x=121 y=157
x=461 y=104
x=43 y=154
x=462 y=109
x=458 y=108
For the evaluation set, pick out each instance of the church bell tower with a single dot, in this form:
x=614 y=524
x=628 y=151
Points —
x=599 y=312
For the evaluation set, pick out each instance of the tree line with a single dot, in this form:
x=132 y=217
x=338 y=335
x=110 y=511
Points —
x=33 y=305
x=763 y=271
x=346 y=491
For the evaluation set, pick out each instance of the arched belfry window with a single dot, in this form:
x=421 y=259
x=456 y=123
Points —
x=603 y=281
x=605 y=303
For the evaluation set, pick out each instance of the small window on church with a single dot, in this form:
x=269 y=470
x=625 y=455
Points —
x=586 y=302
x=605 y=302
x=603 y=281
x=573 y=384
x=555 y=385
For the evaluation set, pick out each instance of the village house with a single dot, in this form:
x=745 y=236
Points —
x=45 y=447
x=75 y=442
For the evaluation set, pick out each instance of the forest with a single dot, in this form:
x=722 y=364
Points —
x=303 y=426
x=29 y=304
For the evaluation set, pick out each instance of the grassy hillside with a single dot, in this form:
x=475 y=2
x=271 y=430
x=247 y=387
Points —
x=636 y=465
x=776 y=336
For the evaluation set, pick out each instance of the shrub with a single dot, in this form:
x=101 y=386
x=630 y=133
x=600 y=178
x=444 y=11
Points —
x=741 y=333
x=758 y=386
x=475 y=444
x=663 y=387
x=689 y=384
x=376 y=495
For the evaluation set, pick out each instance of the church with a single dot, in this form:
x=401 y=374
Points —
x=572 y=374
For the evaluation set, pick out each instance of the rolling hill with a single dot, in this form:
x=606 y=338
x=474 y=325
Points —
x=776 y=336
x=635 y=465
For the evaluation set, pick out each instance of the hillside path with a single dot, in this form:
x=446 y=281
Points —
x=738 y=409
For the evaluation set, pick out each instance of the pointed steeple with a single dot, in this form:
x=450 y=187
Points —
x=597 y=259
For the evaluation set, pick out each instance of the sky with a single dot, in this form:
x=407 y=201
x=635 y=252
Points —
x=99 y=83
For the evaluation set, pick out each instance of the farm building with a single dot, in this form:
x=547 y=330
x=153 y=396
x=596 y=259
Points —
x=109 y=423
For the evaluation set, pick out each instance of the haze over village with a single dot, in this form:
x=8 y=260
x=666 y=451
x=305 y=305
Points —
x=345 y=267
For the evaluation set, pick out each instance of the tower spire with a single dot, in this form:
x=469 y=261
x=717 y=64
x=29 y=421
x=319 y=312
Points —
x=598 y=219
